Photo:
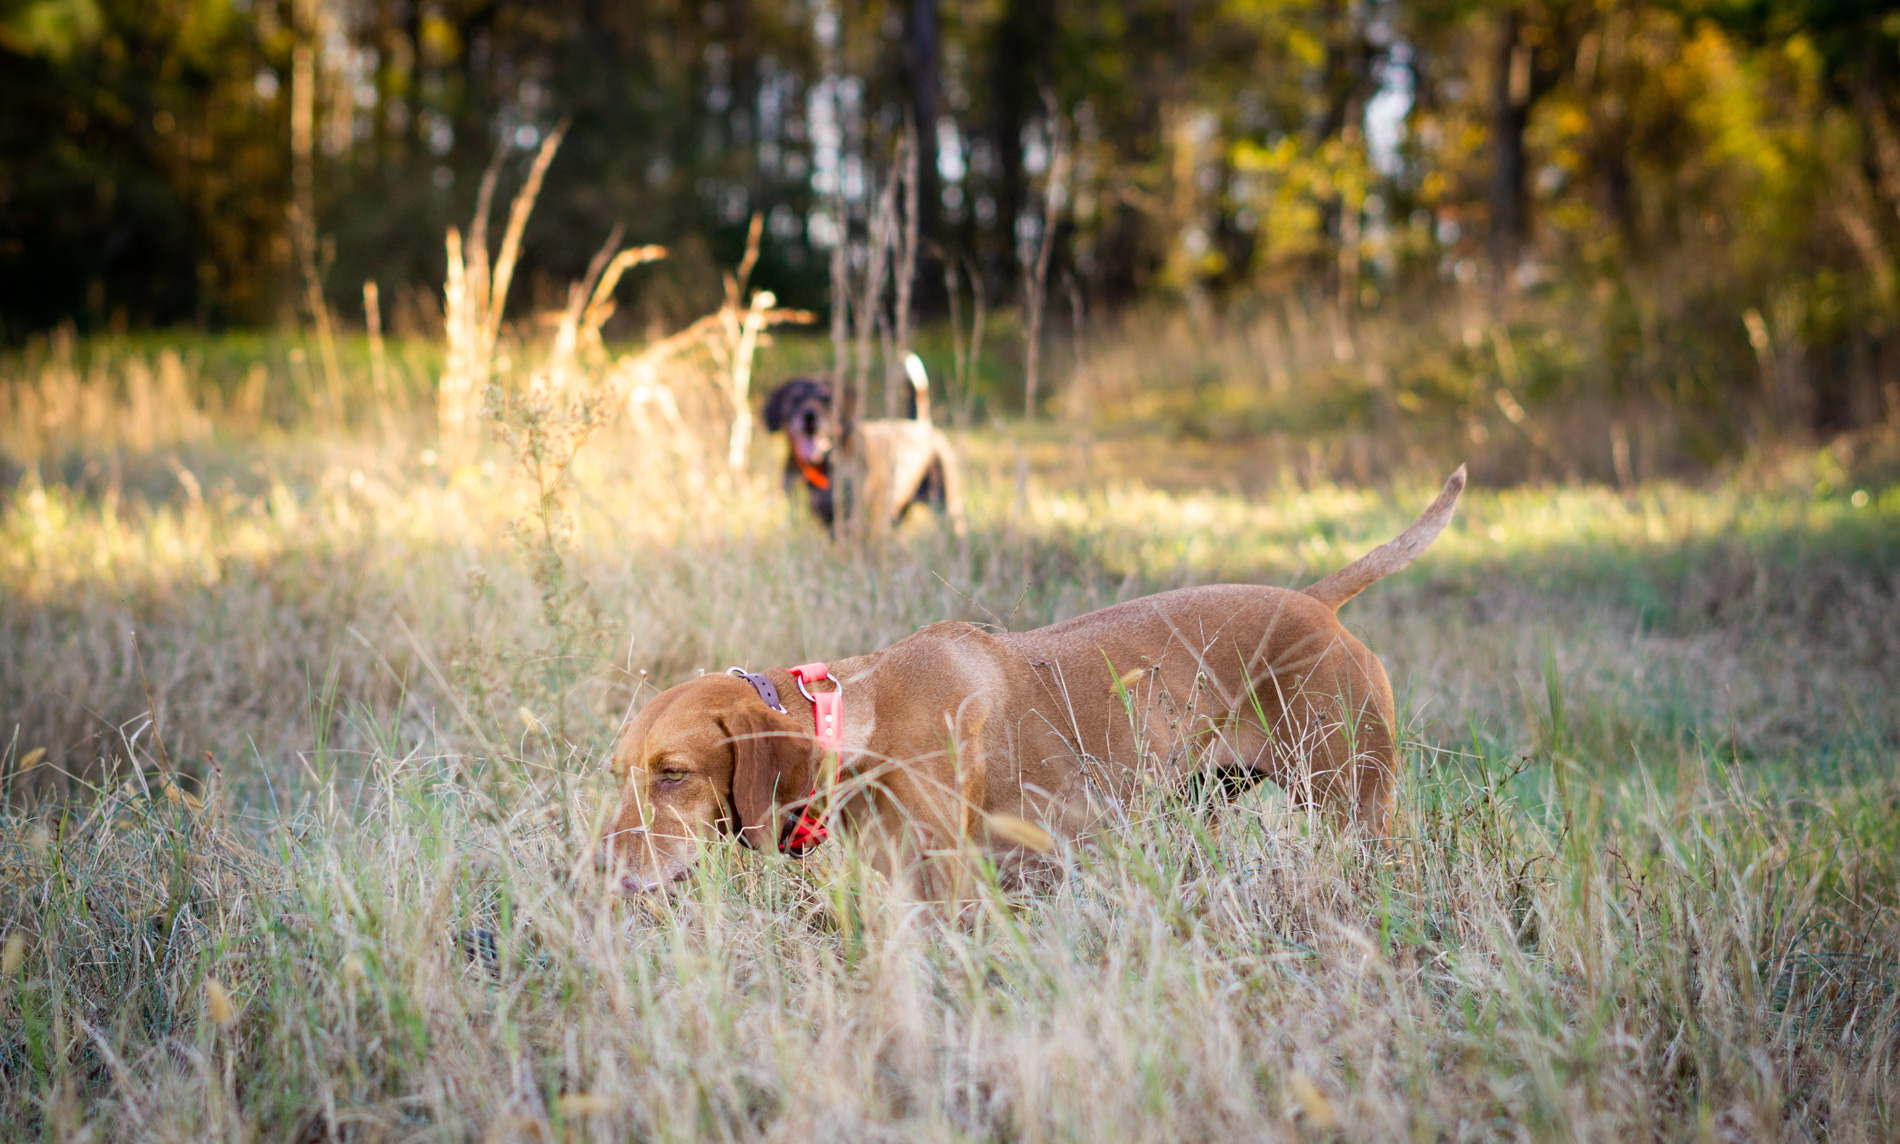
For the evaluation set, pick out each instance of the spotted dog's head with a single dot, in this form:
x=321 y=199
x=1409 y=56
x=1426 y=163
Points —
x=802 y=409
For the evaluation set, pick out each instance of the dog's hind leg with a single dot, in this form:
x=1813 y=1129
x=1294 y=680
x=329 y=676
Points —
x=930 y=493
x=951 y=480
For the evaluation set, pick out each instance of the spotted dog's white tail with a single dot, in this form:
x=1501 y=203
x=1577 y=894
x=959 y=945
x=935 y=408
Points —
x=1394 y=554
x=920 y=384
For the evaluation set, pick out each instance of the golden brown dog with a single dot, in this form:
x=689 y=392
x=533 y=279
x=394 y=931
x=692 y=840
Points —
x=955 y=735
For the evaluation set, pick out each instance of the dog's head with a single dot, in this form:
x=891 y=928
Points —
x=802 y=408
x=702 y=760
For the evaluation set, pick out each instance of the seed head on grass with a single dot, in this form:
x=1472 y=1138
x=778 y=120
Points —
x=1310 y=1103
x=218 y=1004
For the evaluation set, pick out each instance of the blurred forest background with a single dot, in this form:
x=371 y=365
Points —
x=1664 y=230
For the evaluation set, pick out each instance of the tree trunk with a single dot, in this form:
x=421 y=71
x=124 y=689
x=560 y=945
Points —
x=1022 y=40
x=923 y=78
x=1511 y=112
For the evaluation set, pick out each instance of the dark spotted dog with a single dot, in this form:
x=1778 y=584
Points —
x=894 y=463
x=801 y=409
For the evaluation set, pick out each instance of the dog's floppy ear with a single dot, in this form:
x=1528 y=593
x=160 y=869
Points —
x=771 y=766
x=778 y=406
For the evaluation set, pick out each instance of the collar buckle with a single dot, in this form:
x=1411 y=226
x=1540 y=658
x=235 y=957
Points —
x=827 y=707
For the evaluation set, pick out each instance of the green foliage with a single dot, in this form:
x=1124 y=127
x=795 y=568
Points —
x=54 y=29
x=1643 y=176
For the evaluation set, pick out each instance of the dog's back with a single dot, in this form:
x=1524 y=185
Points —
x=1237 y=678
x=907 y=462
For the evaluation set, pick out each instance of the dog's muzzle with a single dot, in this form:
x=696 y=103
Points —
x=631 y=882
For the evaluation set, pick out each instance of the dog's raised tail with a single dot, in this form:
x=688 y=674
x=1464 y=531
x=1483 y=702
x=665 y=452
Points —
x=919 y=384
x=1394 y=554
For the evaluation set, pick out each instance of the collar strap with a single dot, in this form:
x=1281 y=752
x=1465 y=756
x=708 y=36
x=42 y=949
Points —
x=804 y=833
x=760 y=684
x=827 y=707
x=808 y=830
x=816 y=477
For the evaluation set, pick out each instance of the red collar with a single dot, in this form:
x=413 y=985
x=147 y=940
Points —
x=804 y=834
x=827 y=726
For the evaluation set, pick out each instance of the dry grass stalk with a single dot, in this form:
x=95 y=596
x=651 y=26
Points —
x=125 y=401
x=740 y=371
x=873 y=256
x=661 y=373
x=373 y=323
x=729 y=339
x=959 y=338
x=474 y=299
x=1655 y=899
x=301 y=210
x=589 y=304
x=864 y=270
x=741 y=327
x=966 y=346
x=378 y=359
x=906 y=239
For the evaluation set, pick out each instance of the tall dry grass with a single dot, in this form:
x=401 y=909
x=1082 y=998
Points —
x=393 y=942
x=322 y=884
x=301 y=739
x=136 y=403
x=1558 y=388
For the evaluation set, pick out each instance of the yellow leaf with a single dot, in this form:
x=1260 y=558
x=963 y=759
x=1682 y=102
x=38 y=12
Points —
x=218 y=1004
x=1021 y=832
x=177 y=797
x=13 y=954
x=1313 y=1104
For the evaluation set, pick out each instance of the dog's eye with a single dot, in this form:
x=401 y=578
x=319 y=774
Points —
x=671 y=778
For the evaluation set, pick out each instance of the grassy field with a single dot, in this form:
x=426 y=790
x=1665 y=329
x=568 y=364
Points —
x=301 y=731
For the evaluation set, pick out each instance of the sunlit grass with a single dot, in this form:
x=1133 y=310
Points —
x=1647 y=886
x=58 y=537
